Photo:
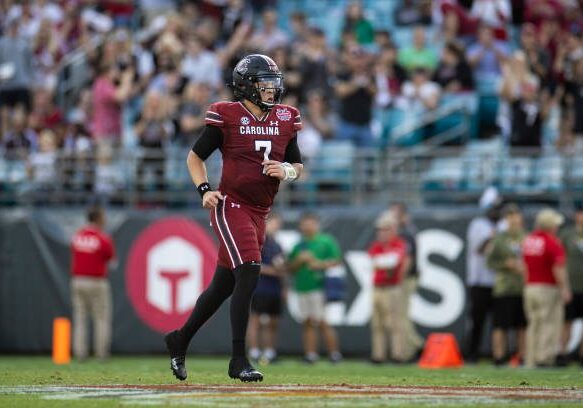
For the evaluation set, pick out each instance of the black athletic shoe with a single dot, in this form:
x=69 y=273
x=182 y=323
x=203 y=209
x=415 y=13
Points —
x=175 y=346
x=240 y=368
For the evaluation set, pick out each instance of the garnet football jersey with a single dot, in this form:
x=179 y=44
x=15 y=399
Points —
x=247 y=142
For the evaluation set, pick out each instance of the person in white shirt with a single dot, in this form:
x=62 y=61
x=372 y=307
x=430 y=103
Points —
x=480 y=279
x=199 y=64
x=419 y=94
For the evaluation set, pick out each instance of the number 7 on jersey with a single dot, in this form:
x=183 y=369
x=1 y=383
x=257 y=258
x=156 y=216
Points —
x=259 y=144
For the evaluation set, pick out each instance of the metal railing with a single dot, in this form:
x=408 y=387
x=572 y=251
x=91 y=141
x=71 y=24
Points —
x=455 y=175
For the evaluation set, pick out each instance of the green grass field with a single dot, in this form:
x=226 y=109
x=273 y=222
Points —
x=37 y=382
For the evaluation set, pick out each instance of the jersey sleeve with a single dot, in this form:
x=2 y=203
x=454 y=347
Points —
x=214 y=116
x=297 y=120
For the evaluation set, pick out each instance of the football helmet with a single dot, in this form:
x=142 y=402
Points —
x=255 y=73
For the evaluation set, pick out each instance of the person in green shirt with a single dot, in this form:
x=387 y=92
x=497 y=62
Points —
x=308 y=261
x=418 y=55
x=572 y=239
x=503 y=257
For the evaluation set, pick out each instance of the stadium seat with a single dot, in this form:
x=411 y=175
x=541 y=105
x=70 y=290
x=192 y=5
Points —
x=515 y=174
x=444 y=174
x=548 y=174
x=470 y=103
x=576 y=177
x=394 y=120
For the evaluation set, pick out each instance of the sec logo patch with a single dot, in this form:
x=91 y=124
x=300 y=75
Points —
x=245 y=120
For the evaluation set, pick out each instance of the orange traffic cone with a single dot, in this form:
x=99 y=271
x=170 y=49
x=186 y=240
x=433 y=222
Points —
x=441 y=350
x=61 y=340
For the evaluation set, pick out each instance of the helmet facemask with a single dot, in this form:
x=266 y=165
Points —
x=267 y=85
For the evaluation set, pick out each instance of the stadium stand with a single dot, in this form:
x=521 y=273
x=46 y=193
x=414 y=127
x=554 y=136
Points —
x=180 y=53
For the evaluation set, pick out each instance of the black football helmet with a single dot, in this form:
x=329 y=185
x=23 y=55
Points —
x=250 y=71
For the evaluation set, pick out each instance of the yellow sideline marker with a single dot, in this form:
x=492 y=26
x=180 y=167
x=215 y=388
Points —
x=61 y=340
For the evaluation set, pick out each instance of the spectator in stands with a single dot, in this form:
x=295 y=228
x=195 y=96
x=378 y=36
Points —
x=407 y=232
x=77 y=155
x=453 y=73
x=537 y=58
x=16 y=72
x=574 y=114
x=308 y=262
x=382 y=40
x=27 y=17
x=199 y=64
x=547 y=288
x=91 y=252
x=487 y=55
x=497 y=14
x=356 y=24
x=572 y=240
x=515 y=72
x=288 y=64
x=318 y=125
x=418 y=55
x=42 y=164
x=480 y=278
x=46 y=114
x=413 y=12
x=109 y=95
x=20 y=140
x=390 y=262
x=355 y=90
x=314 y=59
x=270 y=36
x=317 y=111
x=153 y=128
x=121 y=11
x=153 y=8
x=191 y=112
x=47 y=48
x=539 y=11
x=299 y=28
x=503 y=256
x=528 y=110
x=266 y=306
x=389 y=77
x=420 y=93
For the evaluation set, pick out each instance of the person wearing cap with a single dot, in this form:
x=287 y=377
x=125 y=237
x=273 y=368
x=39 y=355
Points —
x=572 y=239
x=480 y=278
x=390 y=261
x=547 y=287
x=504 y=258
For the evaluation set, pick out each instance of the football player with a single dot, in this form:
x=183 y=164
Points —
x=257 y=138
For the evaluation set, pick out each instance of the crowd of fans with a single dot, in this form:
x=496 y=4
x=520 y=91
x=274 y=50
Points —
x=155 y=65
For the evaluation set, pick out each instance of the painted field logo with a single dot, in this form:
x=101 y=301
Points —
x=171 y=262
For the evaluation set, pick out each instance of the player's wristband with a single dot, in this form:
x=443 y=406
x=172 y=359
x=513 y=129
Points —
x=203 y=188
x=290 y=171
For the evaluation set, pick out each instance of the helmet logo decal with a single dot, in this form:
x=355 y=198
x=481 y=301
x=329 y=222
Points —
x=242 y=66
x=245 y=120
x=283 y=114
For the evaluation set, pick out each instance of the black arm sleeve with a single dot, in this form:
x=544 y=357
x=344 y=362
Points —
x=210 y=139
x=292 y=151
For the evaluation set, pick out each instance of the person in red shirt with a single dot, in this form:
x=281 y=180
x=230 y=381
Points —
x=390 y=262
x=546 y=284
x=92 y=250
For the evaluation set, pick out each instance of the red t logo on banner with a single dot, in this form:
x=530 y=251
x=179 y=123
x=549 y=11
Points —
x=169 y=265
